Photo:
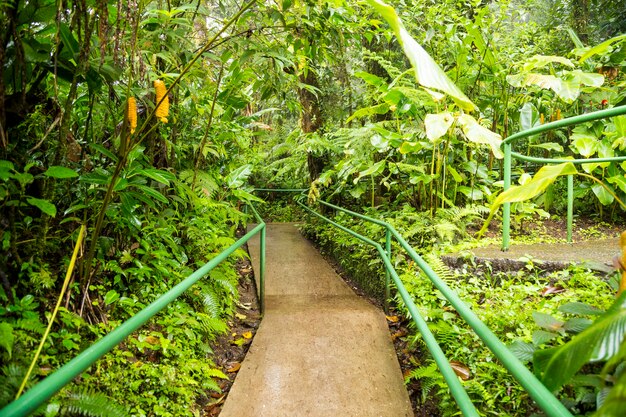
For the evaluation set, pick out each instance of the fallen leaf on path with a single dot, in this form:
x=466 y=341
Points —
x=247 y=335
x=152 y=340
x=238 y=342
x=393 y=319
x=241 y=316
x=552 y=290
x=461 y=370
x=234 y=367
x=399 y=333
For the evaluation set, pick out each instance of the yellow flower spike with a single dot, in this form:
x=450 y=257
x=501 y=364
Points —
x=163 y=109
x=132 y=114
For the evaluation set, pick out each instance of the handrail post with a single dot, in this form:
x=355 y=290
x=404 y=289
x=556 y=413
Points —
x=570 y=206
x=262 y=272
x=387 y=277
x=506 y=207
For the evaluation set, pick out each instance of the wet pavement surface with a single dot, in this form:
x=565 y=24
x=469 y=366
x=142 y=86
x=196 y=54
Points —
x=320 y=350
x=595 y=254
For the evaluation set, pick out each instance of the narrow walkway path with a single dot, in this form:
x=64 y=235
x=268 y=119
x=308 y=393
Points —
x=595 y=254
x=320 y=349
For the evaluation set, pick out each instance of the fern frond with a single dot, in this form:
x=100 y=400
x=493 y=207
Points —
x=440 y=268
x=211 y=326
x=92 y=405
x=211 y=303
x=479 y=393
x=429 y=371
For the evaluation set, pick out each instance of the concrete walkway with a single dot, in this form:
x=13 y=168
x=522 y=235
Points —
x=320 y=350
x=594 y=254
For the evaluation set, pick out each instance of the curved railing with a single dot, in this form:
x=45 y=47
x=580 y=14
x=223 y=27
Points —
x=509 y=155
x=538 y=392
x=44 y=390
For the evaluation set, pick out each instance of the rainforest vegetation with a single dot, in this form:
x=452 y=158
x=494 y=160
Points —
x=137 y=130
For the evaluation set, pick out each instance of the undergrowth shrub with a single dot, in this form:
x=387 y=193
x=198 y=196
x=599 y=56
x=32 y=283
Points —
x=508 y=303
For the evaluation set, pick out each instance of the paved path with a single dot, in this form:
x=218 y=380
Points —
x=596 y=254
x=320 y=349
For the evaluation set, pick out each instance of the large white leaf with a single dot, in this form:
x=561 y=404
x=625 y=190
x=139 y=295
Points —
x=437 y=124
x=427 y=72
x=479 y=134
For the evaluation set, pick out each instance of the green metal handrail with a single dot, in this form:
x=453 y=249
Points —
x=45 y=389
x=509 y=154
x=538 y=392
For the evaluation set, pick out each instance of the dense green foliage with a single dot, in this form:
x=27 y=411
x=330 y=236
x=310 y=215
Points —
x=311 y=94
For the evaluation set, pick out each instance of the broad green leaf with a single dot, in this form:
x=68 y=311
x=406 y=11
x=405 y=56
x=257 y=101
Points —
x=568 y=90
x=411 y=147
x=586 y=145
x=60 y=172
x=358 y=191
x=483 y=47
x=549 y=146
x=68 y=39
x=604 y=196
x=479 y=134
x=151 y=193
x=547 y=322
x=522 y=350
x=619 y=181
x=379 y=142
x=580 y=309
x=472 y=194
x=590 y=79
x=7 y=338
x=237 y=177
x=120 y=184
x=437 y=125
x=541 y=337
x=620 y=125
x=605 y=151
x=540 y=61
x=111 y=297
x=528 y=116
x=516 y=80
x=601 y=48
x=43 y=205
x=104 y=151
x=548 y=82
x=427 y=72
x=375 y=169
x=158 y=175
x=577 y=324
x=600 y=341
x=246 y=196
x=542 y=179
x=455 y=174
x=540 y=182
x=371 y=79
x=369 y=111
